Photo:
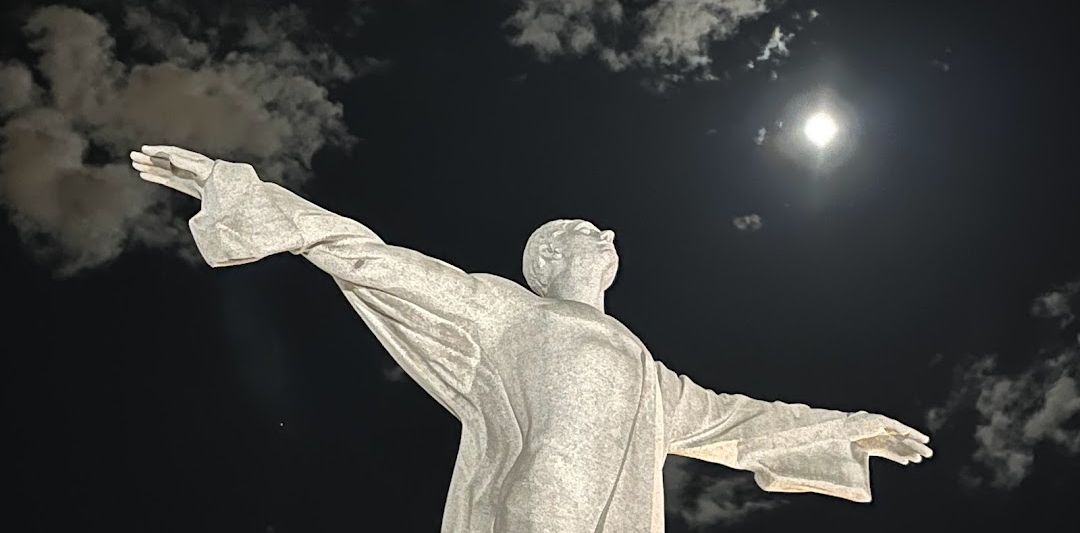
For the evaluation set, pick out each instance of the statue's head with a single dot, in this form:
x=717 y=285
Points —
x=569 y=252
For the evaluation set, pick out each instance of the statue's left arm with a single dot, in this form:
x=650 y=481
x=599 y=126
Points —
x=789 y=447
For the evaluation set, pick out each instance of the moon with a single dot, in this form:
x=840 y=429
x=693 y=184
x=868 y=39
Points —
x=826 y=129
x=820 y=129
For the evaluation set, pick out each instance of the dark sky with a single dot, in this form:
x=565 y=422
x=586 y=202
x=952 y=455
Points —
x=150 y=393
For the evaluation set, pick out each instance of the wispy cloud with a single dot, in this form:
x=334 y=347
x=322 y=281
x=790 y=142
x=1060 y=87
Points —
x=776 y=46
x=64 y=180
x=393 y=373
x=759 y=137
x=669 y=39
x=703 y=500
x=1055 y=304
x=751 y=222
x=1016 y=413
x=944 y=63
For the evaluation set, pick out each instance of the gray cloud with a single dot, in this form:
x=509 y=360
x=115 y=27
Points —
x=63 y=175
x=1055 y=304
x=668 y=38
x=1015 y=413
x=702 y=500
x=759 y=137
x=776 y=45
x=17 y=89
x=751 y=222
x=558 y=27
x=164 y=36
x=393 y=373
x=944 y=64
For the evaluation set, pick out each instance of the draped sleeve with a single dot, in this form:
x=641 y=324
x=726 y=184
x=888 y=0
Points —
x=788 y=447
x=428 y=314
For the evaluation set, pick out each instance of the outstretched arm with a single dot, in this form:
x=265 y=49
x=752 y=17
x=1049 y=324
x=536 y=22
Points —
x=789 y=447
x=244 y=219
x=427 y=313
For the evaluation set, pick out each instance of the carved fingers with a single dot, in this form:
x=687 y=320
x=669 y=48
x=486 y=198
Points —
x=861 y=425
x=180 y=169
x=896 y=428
x=881 y=436
x=902 y=450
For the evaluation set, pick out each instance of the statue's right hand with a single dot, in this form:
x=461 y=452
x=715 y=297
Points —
x=180 y=169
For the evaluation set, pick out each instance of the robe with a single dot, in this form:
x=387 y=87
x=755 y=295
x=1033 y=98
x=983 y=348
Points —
x=566 y=418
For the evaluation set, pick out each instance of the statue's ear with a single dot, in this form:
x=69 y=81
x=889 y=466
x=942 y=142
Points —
x=548 y=252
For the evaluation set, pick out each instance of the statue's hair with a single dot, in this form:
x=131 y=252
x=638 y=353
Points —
x=533 y=265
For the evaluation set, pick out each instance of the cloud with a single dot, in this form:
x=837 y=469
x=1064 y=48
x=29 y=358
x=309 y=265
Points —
x=1055 y=304
x=944 y=65
x=751 y=222
x=668 y=38
x=776 y=45
x=17 y=89
x=393 y=373
x=64 y=179
x=702 y=500
x=558 y=27
x=1016 y=413
x=759 y=138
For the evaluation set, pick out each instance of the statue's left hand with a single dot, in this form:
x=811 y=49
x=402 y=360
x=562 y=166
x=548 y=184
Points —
x=881 y=436
x=180 y=169
x=896 y=448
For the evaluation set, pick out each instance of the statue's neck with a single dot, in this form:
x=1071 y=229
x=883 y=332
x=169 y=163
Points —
x=589 y=294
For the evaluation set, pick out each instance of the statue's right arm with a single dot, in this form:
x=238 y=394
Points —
x=431 y=316
x=244 y=219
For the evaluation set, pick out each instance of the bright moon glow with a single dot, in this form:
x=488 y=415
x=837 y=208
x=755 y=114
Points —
x=820 y=129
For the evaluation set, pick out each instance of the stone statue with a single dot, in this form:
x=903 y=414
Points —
x=566 y=417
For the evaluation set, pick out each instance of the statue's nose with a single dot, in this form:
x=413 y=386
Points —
x=607 y=235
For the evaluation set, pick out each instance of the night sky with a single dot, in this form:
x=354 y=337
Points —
x=924 y=266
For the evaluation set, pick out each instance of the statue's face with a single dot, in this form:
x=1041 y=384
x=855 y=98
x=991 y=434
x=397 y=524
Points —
x=589 y=252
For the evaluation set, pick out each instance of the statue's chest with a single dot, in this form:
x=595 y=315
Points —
x=568 y=362
x=577 y=383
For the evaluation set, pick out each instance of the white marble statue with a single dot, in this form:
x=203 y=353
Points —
x=566 y=417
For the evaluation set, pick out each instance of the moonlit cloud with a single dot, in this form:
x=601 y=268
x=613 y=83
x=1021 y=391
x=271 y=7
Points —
x=703 y=500
x=751 y=222
x=393 y=373
x=1055 y=304
x=64 y=179
x=759 y=137
x=1017 y=413
x=17 y=89
x=669 y=39
x=944 y=64
x=776 y=45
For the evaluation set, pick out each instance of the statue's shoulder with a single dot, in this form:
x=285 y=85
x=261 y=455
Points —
x=505 y=288
x=584 y=319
